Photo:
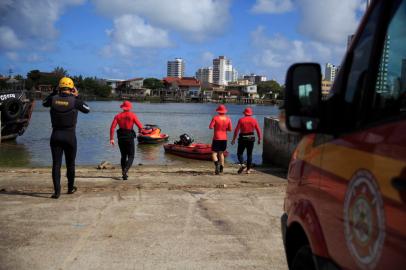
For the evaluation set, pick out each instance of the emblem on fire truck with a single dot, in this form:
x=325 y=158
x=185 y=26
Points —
x=364 y=219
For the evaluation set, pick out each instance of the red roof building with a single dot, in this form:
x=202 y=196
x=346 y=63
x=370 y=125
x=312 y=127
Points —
x=185 y=87
x=184 y=83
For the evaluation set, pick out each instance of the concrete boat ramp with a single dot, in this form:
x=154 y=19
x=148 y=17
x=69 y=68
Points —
x=163 y=217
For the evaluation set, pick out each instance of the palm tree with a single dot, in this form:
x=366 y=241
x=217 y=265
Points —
x=60 y=72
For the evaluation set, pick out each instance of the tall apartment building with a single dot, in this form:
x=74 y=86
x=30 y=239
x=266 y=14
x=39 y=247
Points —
x=255 y=78
x=382 y=80
x=330 y=72
x=223 y=71
x=231 y=75
x=176 y=68
x=205 y=75
x=403 y=76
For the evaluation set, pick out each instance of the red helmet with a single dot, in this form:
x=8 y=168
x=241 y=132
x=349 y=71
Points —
x=248 y=111
x=221 y=109
x=126 y=105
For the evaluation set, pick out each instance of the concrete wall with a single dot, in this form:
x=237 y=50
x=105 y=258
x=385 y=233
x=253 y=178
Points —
x=278 y=146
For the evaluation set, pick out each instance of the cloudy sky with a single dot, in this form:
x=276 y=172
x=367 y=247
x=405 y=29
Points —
x=135 y=38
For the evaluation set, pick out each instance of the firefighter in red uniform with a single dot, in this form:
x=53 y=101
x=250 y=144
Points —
x=125 y=135
x=246 y=139
x=221 y=123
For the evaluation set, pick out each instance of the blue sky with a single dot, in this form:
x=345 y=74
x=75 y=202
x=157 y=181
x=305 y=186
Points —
x=135 y=38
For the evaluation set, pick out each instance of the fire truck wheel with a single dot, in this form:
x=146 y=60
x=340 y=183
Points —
x=303 y=259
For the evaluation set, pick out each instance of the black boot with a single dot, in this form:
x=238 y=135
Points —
x=221 y=168
x=72 y=190
x=216 y=167
x=56 y=195
x=125 y=173
x=241 y=169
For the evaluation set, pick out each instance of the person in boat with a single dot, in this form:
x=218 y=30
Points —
x=221 y=123
x=246 y=139
x=125 y=135
x=64 y=112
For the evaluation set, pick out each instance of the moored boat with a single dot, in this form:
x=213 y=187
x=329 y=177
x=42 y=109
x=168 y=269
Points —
x=194 y=151
x=151 y=134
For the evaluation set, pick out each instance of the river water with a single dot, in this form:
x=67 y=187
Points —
x=32 y=149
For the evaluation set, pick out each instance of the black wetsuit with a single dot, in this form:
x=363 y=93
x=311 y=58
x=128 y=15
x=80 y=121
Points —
x=127 y=148
x=245 y=141
x=64 y=112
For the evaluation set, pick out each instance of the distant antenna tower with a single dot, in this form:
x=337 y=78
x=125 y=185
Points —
x=10 y=72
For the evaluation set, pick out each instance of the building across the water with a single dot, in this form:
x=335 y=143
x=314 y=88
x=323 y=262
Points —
x=223 y=71
x=326 y=87
x=176 y=68
x=255 y=79
x=205 y=75
x=330 y=72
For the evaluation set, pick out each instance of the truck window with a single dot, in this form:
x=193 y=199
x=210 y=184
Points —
x=389 y=100
x=361 y=57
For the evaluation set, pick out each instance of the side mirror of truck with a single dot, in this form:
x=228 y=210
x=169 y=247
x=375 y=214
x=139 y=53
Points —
x=301 y=109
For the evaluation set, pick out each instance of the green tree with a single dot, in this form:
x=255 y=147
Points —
x=102 y=91
x=268 y=86
x=19 y=77
x=153 y=83
x=3 y=84
x=49 y=79
x=33 y=79
x=60 y=72
x=93 y=86
x=78 y=80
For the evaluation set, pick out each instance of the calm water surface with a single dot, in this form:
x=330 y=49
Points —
x=32 y=149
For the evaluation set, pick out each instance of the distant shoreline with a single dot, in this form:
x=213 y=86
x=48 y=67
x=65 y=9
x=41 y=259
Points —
x=159 y=100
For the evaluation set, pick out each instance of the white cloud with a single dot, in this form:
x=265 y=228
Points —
x=329 y=21
x=13 y=56
x=272 y=6
x=113 y=72
x=275 y=54
x=30 y=23
x=8 y=39
x=196 y=19
x=34 y=58
x=132 y=32
x=207 y=58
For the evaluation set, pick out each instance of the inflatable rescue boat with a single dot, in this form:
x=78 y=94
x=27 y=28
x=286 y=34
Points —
x=151 y=134
x=194 y=151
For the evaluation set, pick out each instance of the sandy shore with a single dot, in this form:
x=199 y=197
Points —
x=163 y=217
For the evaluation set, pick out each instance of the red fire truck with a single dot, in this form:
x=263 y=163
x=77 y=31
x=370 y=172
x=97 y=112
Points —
x=345 y=204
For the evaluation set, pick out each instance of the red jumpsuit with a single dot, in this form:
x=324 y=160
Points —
x=221 y=124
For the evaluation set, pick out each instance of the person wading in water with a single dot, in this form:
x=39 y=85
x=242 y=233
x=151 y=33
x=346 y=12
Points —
x=246 y=139
x=221 y=123
x=125 y=135
x=64 y=113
